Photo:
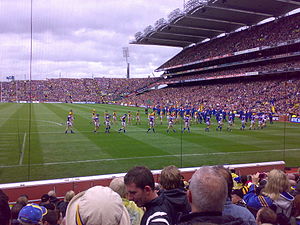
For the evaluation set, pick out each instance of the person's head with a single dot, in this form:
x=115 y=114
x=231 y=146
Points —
x=31 y=214
x=266 y=215
x=236 y=196
x=139 y=182
x=277 y=183
x=170 y=178
x=15 y=210
x=118 y=186
x=207 y=190
x=97 y=206
x=69 y=195
x=227 y=176
x=23 y=199
x=296 y=206
x=51 y=218
x=45 y=198
x=4 y=209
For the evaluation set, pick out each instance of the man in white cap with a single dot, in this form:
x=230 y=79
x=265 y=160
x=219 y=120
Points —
x=97 y=206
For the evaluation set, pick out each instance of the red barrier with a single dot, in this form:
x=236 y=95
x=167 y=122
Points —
x=35 y=189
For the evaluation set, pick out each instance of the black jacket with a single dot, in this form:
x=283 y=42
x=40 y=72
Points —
x=177 y=203
x=209 y=217
x=156 y=213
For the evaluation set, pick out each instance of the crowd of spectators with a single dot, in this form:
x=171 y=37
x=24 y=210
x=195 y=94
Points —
x=268 y=34
x=267 y=68
x=214 y=195
x=252 y=94
x=72 y=90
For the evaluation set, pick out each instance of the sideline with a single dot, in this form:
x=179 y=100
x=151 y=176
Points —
x=151 y=157
x=22 y=150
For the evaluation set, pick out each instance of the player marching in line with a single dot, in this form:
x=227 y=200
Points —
x=171 y=123
x=264 y=119
x=96 y=121
x=93 y=115
x=161 y=116
x=115 y=117
x=151 y=122
x=260 y=122
x=123 y=122
x=207 y=121
x=243 y=122
x=220 y=123
x=138 y=118
x=187 y=119
x=69 y=123
x=252 y=122
x=129 y=117
x=196 y=117
x=107 y=123
x=230 y=122
x=72 y=114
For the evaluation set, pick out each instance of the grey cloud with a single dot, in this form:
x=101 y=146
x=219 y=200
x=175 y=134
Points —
x=80 y=36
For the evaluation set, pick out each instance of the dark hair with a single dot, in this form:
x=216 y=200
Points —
x=221 y=170
x=51 y=217
x=267 y=215
x=45 y=198
x=141 y=176
x=4 y=209
x=15 y=210
x=244 y=179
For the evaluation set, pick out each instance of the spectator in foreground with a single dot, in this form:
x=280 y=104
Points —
x=296 y=211
x=51 y=218
x=52 y=197
x=275 y=194
x=45 y=201
x=207 y=195
x=31 y=214
x=230 y=208
x=97 y=206
x=4 y=209
x=23 y=199
x=173 y=193
x=266 y=216
x=62 y=206
x=15 y=210
x=135 y=212
x=139 y=182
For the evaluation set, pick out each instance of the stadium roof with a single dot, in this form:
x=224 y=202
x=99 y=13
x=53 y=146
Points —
x=204 y=19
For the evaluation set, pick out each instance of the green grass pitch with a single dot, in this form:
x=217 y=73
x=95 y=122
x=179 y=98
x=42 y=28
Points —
x=33 y=145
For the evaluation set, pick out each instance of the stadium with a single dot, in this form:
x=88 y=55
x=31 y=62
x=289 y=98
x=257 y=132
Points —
x=231 y=97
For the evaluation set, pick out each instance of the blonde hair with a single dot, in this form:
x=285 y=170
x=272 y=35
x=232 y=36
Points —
x=277 y=183
x=69 y=195
x=170 y=178
x=118 y=186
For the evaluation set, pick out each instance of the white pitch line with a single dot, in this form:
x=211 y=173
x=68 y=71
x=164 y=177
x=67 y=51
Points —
x=22 y=150
x=151 y=157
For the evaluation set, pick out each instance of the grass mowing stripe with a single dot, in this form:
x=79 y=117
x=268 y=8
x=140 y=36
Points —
x=23 y=149
x=157 y=156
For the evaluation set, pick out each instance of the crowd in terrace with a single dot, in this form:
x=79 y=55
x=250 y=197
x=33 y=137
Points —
x=249 y=94
x=235 y=71
x=214 y=195
x=72 y=90
x=281 y=30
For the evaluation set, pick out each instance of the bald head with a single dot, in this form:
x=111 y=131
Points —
x=207 y=190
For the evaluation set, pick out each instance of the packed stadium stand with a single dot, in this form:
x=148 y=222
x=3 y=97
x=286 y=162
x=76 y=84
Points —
x=99 y=90
x=249 y=70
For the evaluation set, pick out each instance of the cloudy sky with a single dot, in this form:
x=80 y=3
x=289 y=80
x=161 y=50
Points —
x=80 y=38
